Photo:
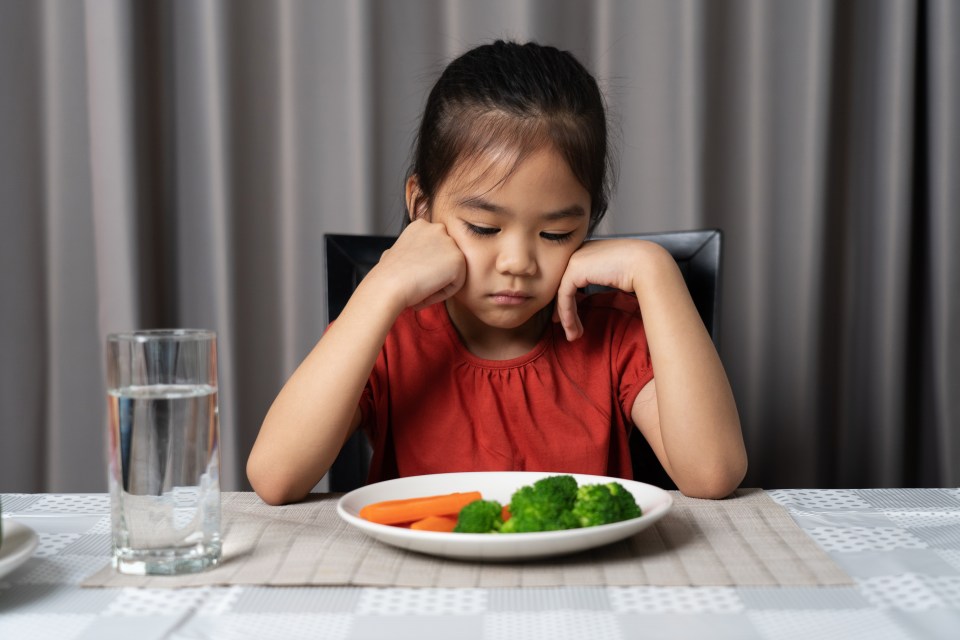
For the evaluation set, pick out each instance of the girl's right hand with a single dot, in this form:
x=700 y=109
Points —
x=424 y=266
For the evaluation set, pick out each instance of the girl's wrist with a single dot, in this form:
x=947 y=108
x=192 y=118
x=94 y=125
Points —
x=381 y=290
x=654 y=268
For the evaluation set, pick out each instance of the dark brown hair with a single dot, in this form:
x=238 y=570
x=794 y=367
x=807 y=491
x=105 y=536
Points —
x=514 y=99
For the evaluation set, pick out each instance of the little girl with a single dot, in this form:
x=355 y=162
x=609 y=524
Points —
x=467 y=347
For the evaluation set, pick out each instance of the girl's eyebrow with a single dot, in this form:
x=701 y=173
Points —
x=477 y=202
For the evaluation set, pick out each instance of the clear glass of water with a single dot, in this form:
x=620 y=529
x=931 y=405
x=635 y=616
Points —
x=164 y=450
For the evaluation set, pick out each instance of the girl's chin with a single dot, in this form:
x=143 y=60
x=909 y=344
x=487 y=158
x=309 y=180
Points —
x=505 y=318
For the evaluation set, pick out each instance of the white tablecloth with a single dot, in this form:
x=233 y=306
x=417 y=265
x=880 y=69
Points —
x=901 y=547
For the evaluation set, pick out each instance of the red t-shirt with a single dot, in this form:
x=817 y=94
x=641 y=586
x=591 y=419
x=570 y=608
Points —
x=431 y=406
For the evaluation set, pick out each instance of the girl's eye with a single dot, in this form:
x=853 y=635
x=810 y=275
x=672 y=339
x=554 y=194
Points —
x=557 y=237
x=481 y=231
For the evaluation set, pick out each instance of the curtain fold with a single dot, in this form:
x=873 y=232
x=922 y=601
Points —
x=177 y=163
x=940 y=409
x=201 y=210
x=73 y=369
x=870 y=303
x=23 y=298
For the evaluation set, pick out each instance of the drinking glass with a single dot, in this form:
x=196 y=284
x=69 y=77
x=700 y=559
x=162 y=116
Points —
x=164 y=450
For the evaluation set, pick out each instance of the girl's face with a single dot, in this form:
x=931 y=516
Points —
x=517 y=236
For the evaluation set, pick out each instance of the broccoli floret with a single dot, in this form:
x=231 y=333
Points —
x=544 y=506
x=555 y=503
x=595 y=505
x=625 y=501
x=560 y=489
x=480 y=516
x=598 y=504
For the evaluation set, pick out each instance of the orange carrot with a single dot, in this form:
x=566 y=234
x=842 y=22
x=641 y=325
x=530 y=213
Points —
x=505 y=513
x=444 y=524
x=413 y=509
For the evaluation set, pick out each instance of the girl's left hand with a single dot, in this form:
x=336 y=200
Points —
x=608 y=263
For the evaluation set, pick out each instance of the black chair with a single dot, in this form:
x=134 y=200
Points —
x=350 y=257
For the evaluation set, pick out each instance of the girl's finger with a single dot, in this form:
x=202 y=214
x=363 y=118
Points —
x=572 y=326
x=566 y=309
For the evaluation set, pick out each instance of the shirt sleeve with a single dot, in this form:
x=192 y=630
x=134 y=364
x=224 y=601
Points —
x=631 y=354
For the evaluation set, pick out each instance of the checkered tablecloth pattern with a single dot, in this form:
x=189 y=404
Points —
x=901 y=547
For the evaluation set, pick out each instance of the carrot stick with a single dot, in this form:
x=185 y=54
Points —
x=413 y=509
x=435 y=523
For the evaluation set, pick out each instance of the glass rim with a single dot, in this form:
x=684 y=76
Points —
x=149 y=335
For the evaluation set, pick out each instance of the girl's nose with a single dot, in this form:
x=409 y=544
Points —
x=517 y=258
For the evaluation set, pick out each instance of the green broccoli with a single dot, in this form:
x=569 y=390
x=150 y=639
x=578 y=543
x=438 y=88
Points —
x=598 y=504
x=480 y=516
x=563 y=489
x=625 y=500
x=595 y=505
x=544 y=506
x=552 y=503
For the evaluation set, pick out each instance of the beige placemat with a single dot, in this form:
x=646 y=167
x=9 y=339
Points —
x=747 y=540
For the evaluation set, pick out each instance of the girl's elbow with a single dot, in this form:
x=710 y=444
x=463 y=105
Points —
x=270 y=487
x=275 y=494
x=272 y=498
x=708 y=490
x=717 y=484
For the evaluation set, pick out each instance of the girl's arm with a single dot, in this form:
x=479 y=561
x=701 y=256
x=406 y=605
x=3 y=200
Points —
x=687 y=413
x=318 y=407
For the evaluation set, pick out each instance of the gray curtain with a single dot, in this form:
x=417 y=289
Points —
x=176 y=164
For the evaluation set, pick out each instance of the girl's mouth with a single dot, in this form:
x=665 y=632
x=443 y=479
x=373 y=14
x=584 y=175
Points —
x=510 y=297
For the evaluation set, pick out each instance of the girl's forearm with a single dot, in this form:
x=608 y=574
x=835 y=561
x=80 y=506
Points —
x=317 y=409
x=698 y=421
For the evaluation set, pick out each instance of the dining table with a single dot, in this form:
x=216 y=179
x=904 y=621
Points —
x=860 y=563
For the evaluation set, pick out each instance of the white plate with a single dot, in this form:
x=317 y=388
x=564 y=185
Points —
x=499 y=486
x=19 y=541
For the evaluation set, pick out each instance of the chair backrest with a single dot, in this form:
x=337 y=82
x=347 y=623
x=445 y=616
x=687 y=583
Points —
x=350 y=257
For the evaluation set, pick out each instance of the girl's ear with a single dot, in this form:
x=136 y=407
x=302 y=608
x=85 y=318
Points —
x=416 y=201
